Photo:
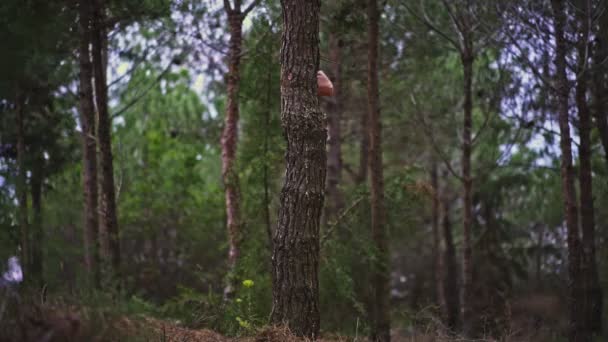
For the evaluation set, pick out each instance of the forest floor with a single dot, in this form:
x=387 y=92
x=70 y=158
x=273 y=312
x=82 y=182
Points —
x=47 y=322
x=62 y=324
x=52 y=323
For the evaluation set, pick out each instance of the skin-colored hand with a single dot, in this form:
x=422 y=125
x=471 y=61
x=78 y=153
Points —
x=326 y=88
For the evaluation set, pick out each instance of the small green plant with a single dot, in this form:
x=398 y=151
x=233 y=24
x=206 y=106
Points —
x=245 y=315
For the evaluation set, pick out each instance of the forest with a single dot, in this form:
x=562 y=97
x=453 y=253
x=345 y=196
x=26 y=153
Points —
x=303 y=170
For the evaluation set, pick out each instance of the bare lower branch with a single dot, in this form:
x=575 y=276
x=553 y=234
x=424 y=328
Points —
x=144 y=93
x=332 y=226
x=426 y=21
x=434 y=144
x=250 y=7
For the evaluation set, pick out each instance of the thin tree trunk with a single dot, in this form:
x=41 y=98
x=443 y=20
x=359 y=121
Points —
x=72 y=236
x=268 y=113
x=467 y=257
x=89 y=146
x=539 y=254
x=37 y=234
x=229 y=145
x=22 y=182
x=381 y=281
x=295 y=257
x=600 y=79
x=593 y=310
x=108 y=220
x=363 y=148
x=438 y=275
x=334 y=109
x=576 y=326
x=450 y=288
x=361 y=176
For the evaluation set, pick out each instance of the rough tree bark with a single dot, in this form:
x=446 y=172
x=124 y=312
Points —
x=381 y=273
x=37 y=179
x=592 y=290
x=89 y=145
x=334 y=109
x=21 y=187
x=108 y=222
x=576 y=326
x=295 y=256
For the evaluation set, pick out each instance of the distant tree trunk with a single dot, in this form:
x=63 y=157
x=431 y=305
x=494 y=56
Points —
x=108 y=219
x=334 y=109
x=70 y=235
x=363 y=148
x=89 y=146
x=600 y=79
x=450 y=281
x=381 y=325
x=37 y=180
x=467 y=253
x=593 y=291
x=268 y=104
x=295 y=257
x=438 y=250
x=363 y=130
x=21 y=187
x=539 y=253
x=230 y=142
x=576 y=326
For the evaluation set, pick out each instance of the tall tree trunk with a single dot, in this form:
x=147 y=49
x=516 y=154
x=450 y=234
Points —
x=21 y=187
x=592 y=295
x=89 y=146
x=467 y=257
x=108 y=222
x=576 y=326
x=37 y=234
x=450 y=281
x=381 y=325
x=600 y=79
x=334 y=109
x=295 y=256
x=229 y=145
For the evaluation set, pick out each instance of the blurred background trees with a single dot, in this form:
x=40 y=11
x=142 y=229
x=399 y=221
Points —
x=493 y=158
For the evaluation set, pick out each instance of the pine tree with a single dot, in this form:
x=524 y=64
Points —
x=295 y=256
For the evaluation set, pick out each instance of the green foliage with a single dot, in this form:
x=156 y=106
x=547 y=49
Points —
x=195 y=309
x=167 y=118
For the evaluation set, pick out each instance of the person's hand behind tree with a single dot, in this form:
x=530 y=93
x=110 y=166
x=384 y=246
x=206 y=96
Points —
x=326 y=88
